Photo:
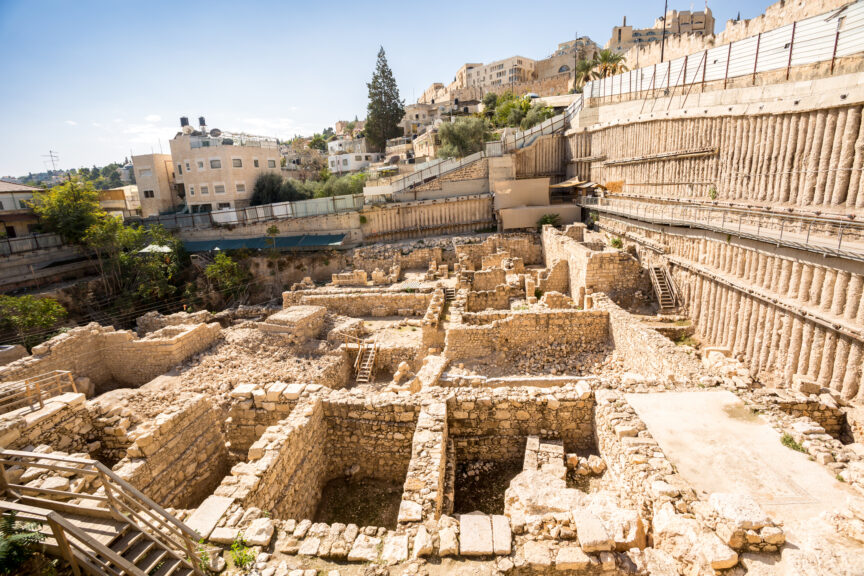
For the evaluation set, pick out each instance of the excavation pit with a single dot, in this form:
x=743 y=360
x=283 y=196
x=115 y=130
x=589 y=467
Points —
x=361 y=501
x=480 y=486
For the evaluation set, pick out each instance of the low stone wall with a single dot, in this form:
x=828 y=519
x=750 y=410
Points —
x=64 y=424
x=178 y=458
x=488 y=278
x=423 y=493
x=644 y=350
x=254 y=410
x=108 y=357
x=153 y=321
x=296 y=323
x=365 y=303
x=524 y=246
x=373 y=440
x=496 y=299
x=521 y=331
x=383 y=257
x=484 y=425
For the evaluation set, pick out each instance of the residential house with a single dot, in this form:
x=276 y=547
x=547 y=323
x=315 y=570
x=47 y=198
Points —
x=699 y=23
x=16 y=214
x=157 y=190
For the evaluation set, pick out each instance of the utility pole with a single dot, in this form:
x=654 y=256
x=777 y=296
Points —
x=663 y=34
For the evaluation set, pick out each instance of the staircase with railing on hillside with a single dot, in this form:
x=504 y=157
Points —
x=663 y=288
x=32 y=392
x=116 y=530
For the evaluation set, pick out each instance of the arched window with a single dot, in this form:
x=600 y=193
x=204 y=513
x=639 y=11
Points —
x=563 y=69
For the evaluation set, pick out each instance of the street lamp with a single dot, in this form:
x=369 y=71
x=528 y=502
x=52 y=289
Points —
x=663 y=34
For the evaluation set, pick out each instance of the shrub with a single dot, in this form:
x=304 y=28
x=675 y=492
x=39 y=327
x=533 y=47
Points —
x=616 y=242
x=241 y=555
x=30 y=317
x=788 y=441
x=712 y=192
x=551 y=219
x=363 y=219
x=16 y=543
x=463 y=137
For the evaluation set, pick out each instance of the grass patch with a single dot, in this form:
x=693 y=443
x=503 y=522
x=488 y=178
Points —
x=789 y=442
x=685 y=340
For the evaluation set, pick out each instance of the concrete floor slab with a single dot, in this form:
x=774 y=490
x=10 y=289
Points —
x=718 y=445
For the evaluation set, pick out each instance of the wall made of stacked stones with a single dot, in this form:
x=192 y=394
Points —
x=424 y=482
x=644 y=350
x=524 y=331
x=490 y=426
x=524 y=246
x=488 y=278
x=383 y=257
x=249 y=418
x=64 y=424
x=370 y=303
x=180 y=458
x=152 y=321
x=496 y=299
x=373 y=437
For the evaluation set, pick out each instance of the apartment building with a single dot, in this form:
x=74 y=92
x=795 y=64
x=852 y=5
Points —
x=16 y=215
x=157 y=189
x=216 y=170
x=350 y=155
x=501 y=72
x=699 y=23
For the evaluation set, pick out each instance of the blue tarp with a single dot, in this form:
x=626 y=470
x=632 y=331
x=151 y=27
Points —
x=306 y=241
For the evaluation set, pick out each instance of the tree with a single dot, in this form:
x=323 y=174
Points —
x=551 y=219
x=536 y=114
x=608 y=63
x=267 y=189
x=582 y=73
x=69 y=209
x=30 y=317
x=463 y=137
x=227 y=275
x=318 y=142
x=385 y=109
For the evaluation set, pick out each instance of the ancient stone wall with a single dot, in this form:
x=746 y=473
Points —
x=424 y=482
x=383 y=257
x=178 y=458
x=487 y=426
x=365 y=303
x=153 y=321
x=524 y=246
x=642 y=349
x=583 y=331
x=108 y=357
x=474 y=171
x=64 y=424
x=488 y=278
x=785 y=311
x=496 y=299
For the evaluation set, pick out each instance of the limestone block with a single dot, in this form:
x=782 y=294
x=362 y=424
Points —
x=502 y=538
x=364 y=549
x=243 y=391
x=739 y=509
x=204 y=519
x=309 y=546
x=223 y=535
x=449 y=542
x=410 y=511
x=293 y=391
x=395 y=549
x=259 y=532
x=475 y=535
x=590 y=532
x=422 y=543
x=571 y=557
x=538 y=555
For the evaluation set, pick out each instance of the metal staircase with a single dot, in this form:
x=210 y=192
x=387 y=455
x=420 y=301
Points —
x=116 y=530
x=664 y=288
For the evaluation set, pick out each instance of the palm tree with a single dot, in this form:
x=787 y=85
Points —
x=583 y=72
x=608 y=63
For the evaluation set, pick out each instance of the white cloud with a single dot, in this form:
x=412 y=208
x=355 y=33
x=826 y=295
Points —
x=71 y=123
x=153 y=118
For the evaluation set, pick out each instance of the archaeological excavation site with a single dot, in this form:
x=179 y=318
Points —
x=665 y=379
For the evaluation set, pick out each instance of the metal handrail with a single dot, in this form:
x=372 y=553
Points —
x=746 y=224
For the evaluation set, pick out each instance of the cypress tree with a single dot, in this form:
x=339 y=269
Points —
x=385 y=109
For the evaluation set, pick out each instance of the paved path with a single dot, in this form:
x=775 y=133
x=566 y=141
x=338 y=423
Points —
x=717 y=445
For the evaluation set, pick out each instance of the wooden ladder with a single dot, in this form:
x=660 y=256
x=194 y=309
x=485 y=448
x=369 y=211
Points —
x=449 y=294
x=662 y=287
x=365 y=364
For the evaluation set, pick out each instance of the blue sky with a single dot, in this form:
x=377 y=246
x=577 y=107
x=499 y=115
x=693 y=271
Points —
x=95 y=80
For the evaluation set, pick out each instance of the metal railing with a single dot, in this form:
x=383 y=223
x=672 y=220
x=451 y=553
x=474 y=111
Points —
x=524 y=138
x=433 y=170
x=35 y=390
x=821 y=38
x=9 y=246
x=263 y=213
x=116 y=497
x=829 y=236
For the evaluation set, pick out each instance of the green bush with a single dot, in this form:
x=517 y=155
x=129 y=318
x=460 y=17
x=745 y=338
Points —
x=241 y=555
x=788 y=441
x=463 y=137
x=30 y=317
x=551 y=219
x=17 y=541
x=616 y=242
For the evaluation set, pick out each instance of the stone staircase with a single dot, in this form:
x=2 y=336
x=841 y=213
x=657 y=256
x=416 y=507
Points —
x=663 y=288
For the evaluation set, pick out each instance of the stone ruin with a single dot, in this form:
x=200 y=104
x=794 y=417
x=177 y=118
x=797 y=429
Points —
x=495 y=431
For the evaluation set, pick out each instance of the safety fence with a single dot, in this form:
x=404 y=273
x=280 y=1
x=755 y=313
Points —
x=828 y=236
x=821 y=38
x=9 y=246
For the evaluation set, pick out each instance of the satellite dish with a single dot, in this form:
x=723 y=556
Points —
x=215 y=133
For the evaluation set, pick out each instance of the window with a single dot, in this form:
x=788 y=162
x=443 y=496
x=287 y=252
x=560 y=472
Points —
x=200 y=165
x=358 y=158
x=205 y=190
x=219 y=188
x=236 y=163
x=367 y=157
x=215 y=164
x=255 y=163
x=241 y=188
x=271 y=163
x=1 y=205
x=191 y=190
x=188 y=167
x=149 y=194
x=224 y=206
x=145 y=172
x=344 y=162
x=179 y=168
